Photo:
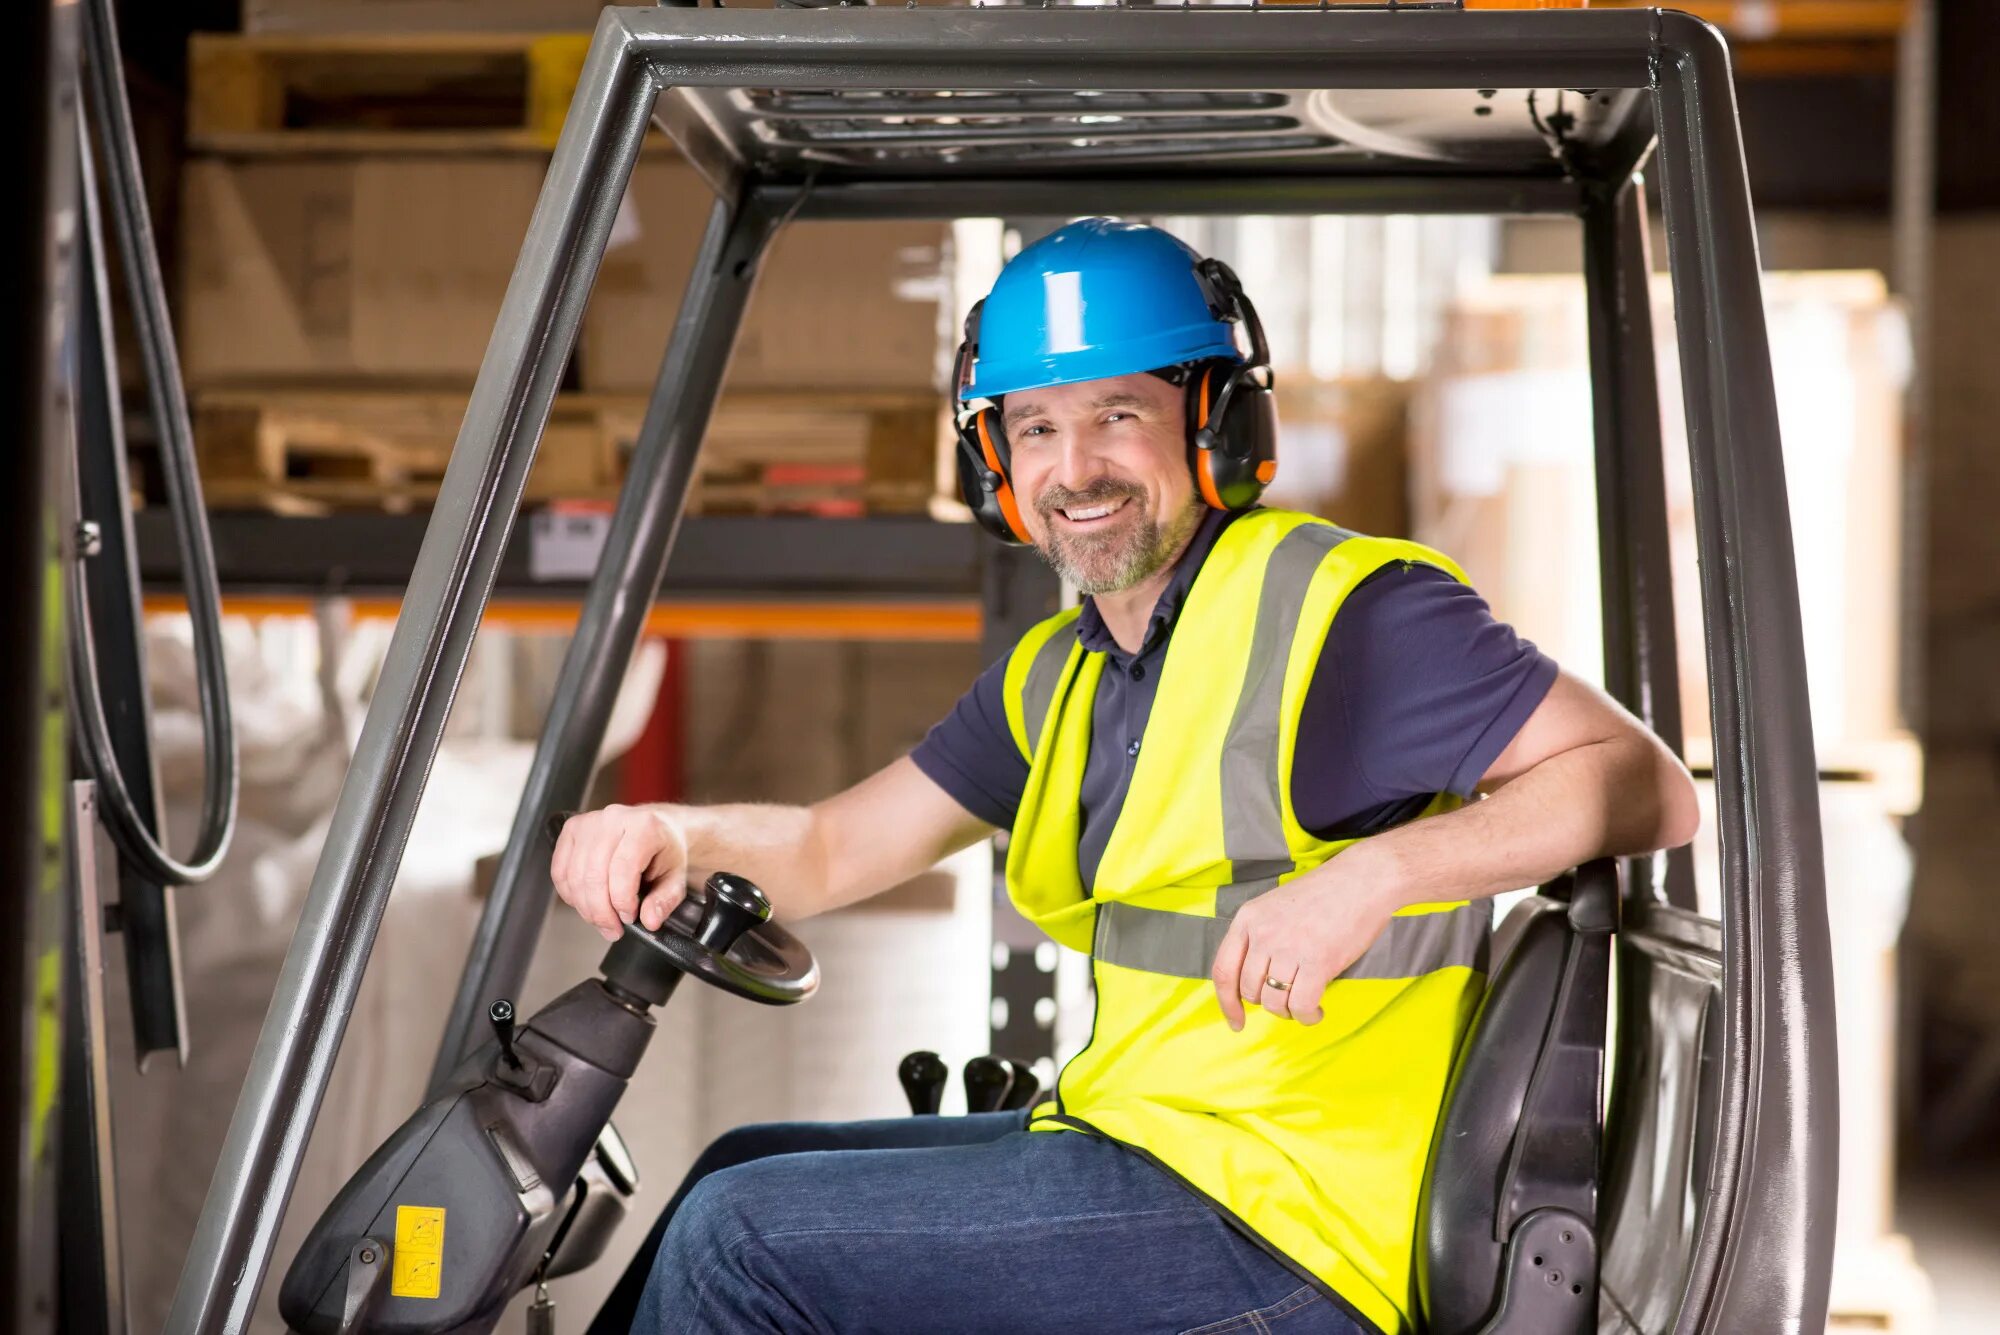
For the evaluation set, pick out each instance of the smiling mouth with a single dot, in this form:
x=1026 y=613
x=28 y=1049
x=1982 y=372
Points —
x=1085 y=516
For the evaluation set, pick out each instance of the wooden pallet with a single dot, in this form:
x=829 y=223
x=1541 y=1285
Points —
x=316 y=451
x=382 y=92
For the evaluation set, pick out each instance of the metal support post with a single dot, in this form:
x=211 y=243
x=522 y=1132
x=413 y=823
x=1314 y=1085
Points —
x=145 y=903
x=1641 y=663
x=627 y=578
x=38 y=91
x=1912 y=235
x=448 y=590
x=93 y=1267
x=1762 y=1255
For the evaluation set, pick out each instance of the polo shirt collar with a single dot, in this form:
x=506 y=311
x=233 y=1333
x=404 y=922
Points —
x=1096 y=637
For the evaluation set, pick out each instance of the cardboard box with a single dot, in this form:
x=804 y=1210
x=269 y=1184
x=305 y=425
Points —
x=1503 y=470
x=1342 y=452
x=331 y=269
x=855 y=305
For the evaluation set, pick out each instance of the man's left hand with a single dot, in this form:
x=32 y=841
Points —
x=1305 y=934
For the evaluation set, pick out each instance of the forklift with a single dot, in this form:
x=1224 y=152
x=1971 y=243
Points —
x=1688 y=1189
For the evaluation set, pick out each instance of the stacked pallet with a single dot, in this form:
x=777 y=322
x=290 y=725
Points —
x=313 y=452
x=352 y=211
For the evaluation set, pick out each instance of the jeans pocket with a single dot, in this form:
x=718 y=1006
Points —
x=1263 y=1320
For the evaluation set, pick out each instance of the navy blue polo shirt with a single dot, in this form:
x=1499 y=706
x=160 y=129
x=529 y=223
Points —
x=1417 y=692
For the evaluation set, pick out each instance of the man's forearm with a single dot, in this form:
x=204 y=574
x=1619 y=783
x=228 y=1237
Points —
x=778 y=847
x=1608 y=799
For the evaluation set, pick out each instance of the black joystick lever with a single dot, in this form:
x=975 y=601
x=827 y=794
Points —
x=501 y=1013
x=986 y=1082
x=923 y=1075
x=530 y=1077
x=1025 y=1086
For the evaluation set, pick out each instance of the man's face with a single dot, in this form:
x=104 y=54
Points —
x=1101 y=472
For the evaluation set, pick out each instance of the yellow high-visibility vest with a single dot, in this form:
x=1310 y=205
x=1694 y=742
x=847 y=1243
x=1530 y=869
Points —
x=1313 y=1139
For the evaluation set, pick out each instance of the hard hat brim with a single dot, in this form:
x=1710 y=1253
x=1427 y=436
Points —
x=991 y=379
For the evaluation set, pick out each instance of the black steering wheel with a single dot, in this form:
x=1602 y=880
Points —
x=723 y=935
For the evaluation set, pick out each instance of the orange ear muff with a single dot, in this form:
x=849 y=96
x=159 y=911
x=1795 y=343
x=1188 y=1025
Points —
x=1204 y=467
x=1010 y=508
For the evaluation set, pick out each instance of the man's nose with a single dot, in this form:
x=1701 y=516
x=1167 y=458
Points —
x=1080 y=463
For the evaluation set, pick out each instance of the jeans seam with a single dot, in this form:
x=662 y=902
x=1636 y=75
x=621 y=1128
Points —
x=981 y=1228
x=701 y=1277
x=732 y=1257
x=1259 y=1319
x=1302 y=1296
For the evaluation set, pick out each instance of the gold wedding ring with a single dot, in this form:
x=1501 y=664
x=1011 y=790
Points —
x=1282 y=987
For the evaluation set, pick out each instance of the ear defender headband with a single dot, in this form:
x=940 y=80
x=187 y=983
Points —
x=1232 y=424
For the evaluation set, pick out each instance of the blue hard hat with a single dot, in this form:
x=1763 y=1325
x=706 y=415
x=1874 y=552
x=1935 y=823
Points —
x=1095 y=299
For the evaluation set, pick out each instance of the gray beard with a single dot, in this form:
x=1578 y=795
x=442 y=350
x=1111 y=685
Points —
x=1116 y=560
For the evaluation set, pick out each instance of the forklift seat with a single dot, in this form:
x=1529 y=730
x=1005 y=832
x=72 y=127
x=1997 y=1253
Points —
x=1507 y=1224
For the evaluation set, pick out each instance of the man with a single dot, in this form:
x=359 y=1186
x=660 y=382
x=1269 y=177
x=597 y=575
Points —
x=1237 y=775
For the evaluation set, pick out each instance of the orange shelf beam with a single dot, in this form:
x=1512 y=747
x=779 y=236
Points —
x=1802 y=20
x=947 y=621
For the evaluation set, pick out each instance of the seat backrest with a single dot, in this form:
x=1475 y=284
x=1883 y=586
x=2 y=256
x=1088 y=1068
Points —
x=1521 y=1121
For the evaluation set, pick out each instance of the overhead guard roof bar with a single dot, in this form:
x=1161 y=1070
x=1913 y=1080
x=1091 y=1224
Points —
x=1756 y=1266
x=826 y=201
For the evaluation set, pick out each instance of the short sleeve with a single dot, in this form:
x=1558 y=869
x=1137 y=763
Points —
x=1418 y=691
x=971 y=754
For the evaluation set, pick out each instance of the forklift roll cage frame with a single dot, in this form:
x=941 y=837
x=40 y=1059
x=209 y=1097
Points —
x=1746 y=1243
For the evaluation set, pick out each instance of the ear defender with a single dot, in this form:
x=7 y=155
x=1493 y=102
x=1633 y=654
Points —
x=1232 y=436
x=982 y=451
x=982 y=476
x=1232 y=409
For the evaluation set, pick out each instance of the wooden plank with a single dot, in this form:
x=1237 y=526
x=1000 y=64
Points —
x=230 y=90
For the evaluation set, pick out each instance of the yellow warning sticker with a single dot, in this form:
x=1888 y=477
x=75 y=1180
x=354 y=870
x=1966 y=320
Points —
x=418 y=1270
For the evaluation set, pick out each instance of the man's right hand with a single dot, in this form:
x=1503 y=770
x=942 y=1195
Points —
x=607 y=861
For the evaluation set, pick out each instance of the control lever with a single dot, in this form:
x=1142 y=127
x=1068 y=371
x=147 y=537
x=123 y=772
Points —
x=1021 y=1093
x=542 y=1312
x=923 y=1075
x=530 y=1077
x=986 y=1082
x=501 y=1014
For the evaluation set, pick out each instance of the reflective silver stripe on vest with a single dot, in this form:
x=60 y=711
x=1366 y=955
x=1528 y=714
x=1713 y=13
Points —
x=1253 y=823
x=1182 y=945
x=1038 y=690
x=1417 y=943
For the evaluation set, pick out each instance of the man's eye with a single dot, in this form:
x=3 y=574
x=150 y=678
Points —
x=1033 y=430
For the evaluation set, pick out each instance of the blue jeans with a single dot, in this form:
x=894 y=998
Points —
x=958 y=1225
